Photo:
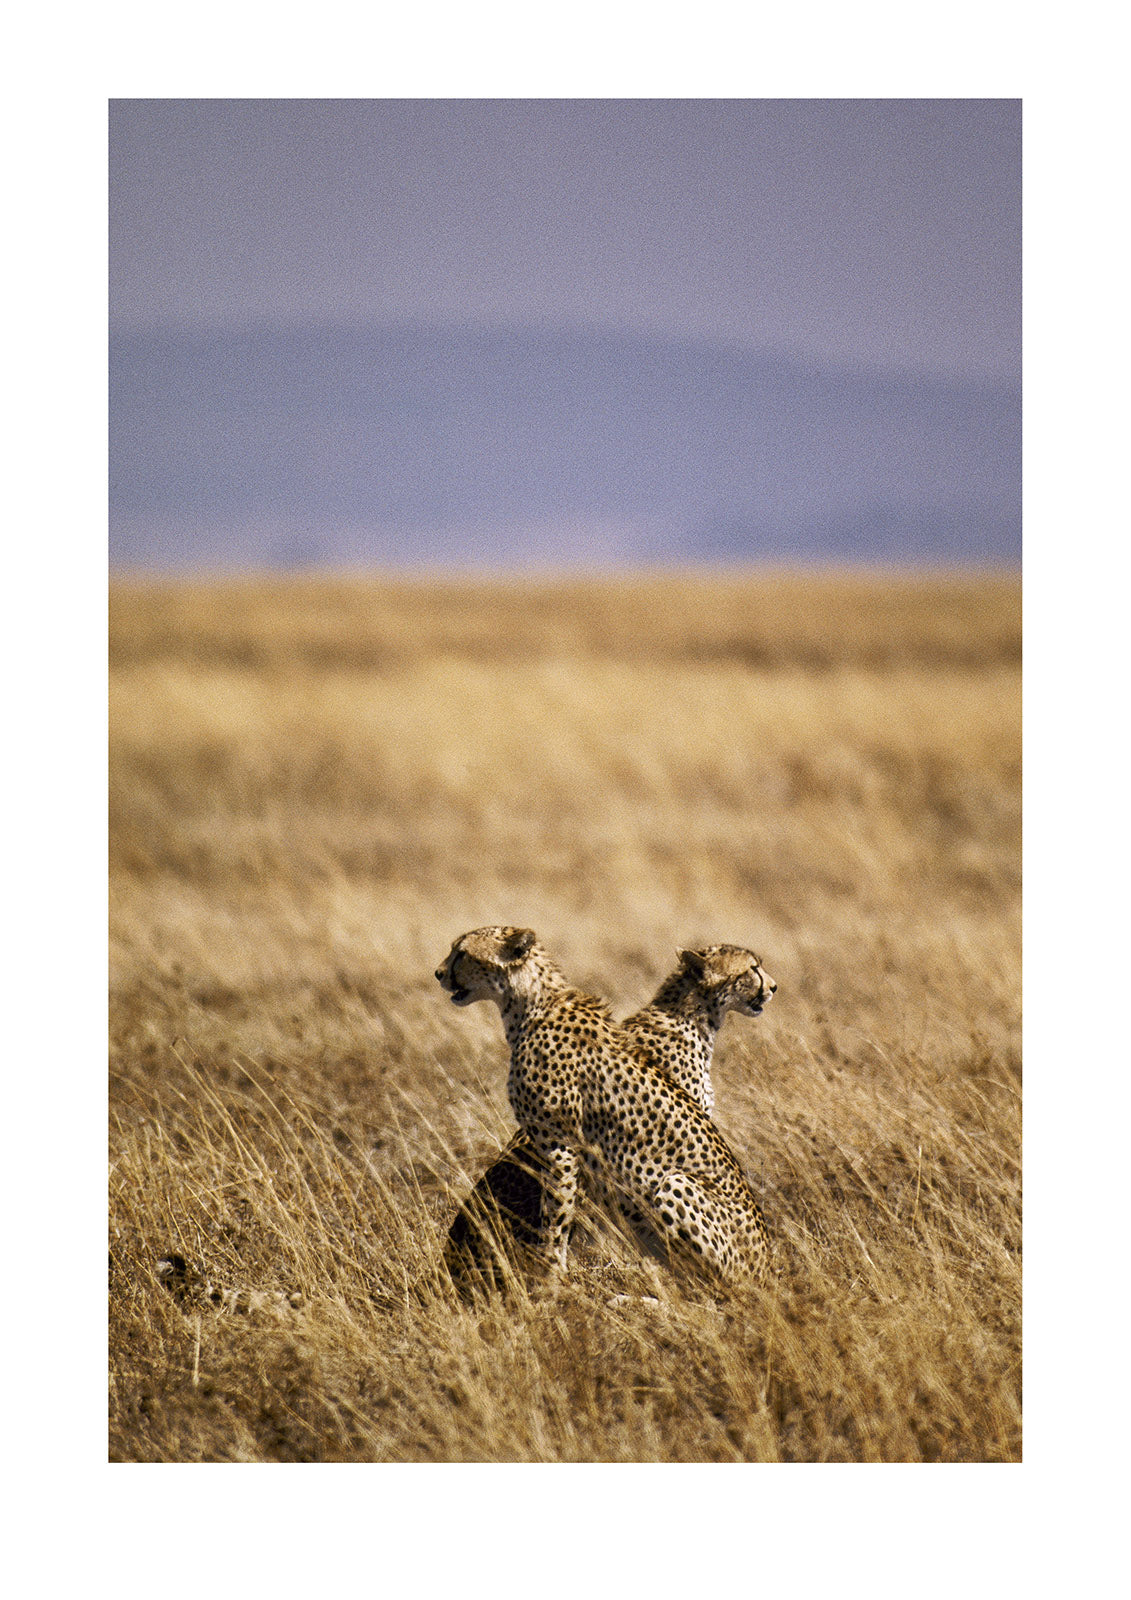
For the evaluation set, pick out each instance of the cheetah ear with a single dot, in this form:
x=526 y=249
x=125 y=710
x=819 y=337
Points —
x=693 y=961
x=518 y=946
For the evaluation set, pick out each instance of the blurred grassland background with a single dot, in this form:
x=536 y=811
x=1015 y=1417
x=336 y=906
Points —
x=317 y=783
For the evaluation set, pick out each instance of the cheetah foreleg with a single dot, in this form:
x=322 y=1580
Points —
x=559 y=1201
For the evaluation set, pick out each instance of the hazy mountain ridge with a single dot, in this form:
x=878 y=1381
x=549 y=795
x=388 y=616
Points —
x=276 y=446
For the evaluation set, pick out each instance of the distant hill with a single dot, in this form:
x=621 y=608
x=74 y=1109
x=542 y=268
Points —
x=291 y=447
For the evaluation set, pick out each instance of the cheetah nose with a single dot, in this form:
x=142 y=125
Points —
x=439 y=974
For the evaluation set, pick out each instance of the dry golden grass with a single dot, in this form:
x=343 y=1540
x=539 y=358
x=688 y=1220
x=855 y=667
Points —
x=315 y=785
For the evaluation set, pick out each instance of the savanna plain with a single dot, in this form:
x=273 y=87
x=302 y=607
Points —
x=317 y=783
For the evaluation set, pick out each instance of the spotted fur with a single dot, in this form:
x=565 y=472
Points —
x=589 y=1098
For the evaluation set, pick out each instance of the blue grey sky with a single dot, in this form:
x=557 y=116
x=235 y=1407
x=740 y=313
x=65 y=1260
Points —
x=564 y=331
x=882 y=232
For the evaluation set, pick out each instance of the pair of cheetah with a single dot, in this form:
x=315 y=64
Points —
x=627 y=1106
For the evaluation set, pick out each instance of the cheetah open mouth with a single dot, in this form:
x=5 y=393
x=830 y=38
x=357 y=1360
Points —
x=460 y=997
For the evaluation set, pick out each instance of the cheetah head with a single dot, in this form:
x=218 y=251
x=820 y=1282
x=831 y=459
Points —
x=483 y=964
x=733 y=978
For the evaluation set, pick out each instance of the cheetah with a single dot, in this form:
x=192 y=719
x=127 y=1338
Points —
x=587 y=1097
x=190 y=1288
x=677 y=1033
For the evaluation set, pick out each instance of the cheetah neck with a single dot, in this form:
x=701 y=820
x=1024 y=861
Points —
x=532 y=990
x=682 y=999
